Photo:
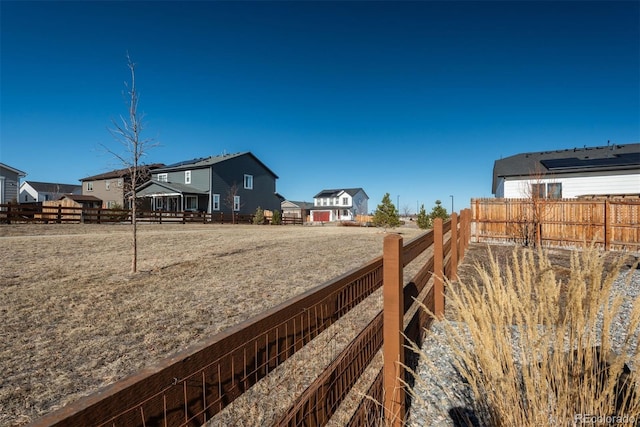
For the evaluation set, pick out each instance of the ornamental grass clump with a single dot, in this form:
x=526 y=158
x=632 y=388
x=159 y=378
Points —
x=535 y=350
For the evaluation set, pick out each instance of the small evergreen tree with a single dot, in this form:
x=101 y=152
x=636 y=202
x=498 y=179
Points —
x=424 y=221
x=438 y=211
x=386 y=214
x=276 y=218
x=258 y=217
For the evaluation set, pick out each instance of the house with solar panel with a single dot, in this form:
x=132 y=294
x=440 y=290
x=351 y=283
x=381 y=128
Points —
x=611 y=170
x=237 y=182
x=342 y=204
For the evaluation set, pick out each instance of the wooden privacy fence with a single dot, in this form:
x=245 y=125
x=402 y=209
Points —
x=14 y=214
x=189 y=388
x=608 y=223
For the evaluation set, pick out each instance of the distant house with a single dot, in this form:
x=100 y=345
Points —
x=339 y=205
x=570 y=173
x=34 y=191
x=238 y=182
x=112 y=187
x=9 y=183
x=292 y=209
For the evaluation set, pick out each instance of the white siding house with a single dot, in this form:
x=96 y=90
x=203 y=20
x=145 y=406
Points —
x=590 y=171
x=339 y=205
x=33 y=191
x=9 y=183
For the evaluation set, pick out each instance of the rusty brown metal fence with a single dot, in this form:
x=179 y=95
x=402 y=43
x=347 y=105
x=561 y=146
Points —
x=607 y=223
x=189 y=388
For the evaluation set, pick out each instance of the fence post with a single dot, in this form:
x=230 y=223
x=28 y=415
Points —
x=607 y=225
x=9 y=213
x=477 y=220
x=393 y=325
x=438 y=270
x=59 y=216
x=454 y=246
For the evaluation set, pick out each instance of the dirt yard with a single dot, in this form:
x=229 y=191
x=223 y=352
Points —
x=74 y=319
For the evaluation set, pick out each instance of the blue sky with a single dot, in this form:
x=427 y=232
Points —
x=417 y=99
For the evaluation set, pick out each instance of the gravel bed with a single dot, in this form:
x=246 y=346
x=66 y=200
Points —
x=441 y=397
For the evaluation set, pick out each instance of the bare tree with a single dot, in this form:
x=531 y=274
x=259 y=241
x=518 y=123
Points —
x=406 y=211
x=127 y=131
x=536 y=208
x=230 y=200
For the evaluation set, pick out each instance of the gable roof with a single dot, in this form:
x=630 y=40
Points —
x=586 y=159
x=301 y=205
x=80 y=198
x=14 y=170
x=52 y=187
x=169 y=188
x=120 y=173
x=206 y=162
x=334 y=193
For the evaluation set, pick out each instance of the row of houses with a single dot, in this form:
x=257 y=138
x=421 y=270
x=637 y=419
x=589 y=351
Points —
x=239 y=182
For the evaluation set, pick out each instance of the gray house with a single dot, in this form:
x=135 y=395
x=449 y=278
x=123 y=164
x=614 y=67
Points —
x=9 y=183
x=238 y=182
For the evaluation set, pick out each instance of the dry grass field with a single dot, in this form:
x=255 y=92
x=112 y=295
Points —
x=74 y=319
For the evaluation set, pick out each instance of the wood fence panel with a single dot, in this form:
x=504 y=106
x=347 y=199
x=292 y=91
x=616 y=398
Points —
x=610 y=223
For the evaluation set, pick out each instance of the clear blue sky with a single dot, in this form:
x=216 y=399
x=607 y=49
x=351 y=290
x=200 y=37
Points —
x=417 y=99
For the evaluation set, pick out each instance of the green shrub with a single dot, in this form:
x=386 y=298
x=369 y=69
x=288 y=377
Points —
x=276 y=218
x=386 y=215
x=258 y=216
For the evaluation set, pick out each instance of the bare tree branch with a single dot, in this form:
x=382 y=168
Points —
x=127 y=131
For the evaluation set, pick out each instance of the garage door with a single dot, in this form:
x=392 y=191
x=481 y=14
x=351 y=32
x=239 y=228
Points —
x=321 y=216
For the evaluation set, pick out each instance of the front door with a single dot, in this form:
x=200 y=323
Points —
x=173 y=204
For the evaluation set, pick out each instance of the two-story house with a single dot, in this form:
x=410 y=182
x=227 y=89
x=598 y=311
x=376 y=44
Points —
x=35 y=191
x=339 y=205
x=570 y=173
x=9 y=183
x=230 y=182
x=112 y=187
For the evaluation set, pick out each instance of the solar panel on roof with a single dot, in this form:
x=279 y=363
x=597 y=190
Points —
x=185 y=162
x=625 y=159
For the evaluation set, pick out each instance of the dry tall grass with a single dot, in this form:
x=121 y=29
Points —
x=535 y=350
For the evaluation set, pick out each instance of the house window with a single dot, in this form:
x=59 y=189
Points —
x=554 y=190
x=345 y=212
x=335 y=201
x=111 y=204
x=120 y=183
x=345 y=201
x=248 y=182
x=236 y=203
x=538 y=191
x=187 y=177
x=89 y=186
x=162 y=177
x=191 y=203
x=107 y=185
x=216 y=202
